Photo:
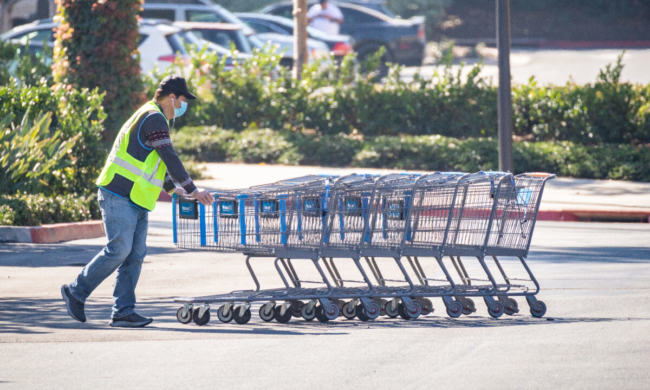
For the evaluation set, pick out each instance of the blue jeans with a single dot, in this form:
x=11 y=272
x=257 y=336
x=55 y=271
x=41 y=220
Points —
x=126 y=230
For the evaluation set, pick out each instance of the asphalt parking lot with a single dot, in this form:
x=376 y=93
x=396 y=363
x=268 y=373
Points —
x=596 y=333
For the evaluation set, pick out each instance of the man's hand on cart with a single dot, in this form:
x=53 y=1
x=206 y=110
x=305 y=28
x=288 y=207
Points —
x=178 y=191
x=202 y=196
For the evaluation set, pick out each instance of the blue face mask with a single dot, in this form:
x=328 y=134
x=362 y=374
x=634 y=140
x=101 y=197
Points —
x=180 y=111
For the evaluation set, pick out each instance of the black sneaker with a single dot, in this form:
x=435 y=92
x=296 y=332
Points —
x=133 y=320
x=75 y=307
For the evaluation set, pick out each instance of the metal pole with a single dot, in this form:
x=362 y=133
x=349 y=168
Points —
x=299 y=37
x=505 y=98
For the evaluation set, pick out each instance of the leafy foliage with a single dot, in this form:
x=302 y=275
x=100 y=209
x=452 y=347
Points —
x=347 y=98
x=30 y=155
x=38 y=209
x=432 y=153
x=72 y=113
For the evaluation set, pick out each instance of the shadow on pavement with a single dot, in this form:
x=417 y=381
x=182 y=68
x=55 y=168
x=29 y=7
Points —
x=595 y=254
x=59 y=255
x=44 y=316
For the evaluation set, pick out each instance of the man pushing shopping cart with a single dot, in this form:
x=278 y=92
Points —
x=140 y=164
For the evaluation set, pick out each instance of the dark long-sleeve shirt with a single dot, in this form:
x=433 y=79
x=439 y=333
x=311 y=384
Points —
x=155 y=134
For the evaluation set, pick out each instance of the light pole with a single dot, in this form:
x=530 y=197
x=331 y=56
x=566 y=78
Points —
x=505 y=97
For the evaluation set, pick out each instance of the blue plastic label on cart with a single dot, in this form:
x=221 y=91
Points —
x=228 y=208
x=523 y=196
x=269 y=208
x=353 y=206
x=187 y=209
x=396 y=209
x=311 y=207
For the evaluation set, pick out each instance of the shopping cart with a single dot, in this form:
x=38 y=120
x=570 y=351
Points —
x=280 y=221
x=323 y=218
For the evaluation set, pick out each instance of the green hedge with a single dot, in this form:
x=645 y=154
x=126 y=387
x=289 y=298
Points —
x=33 y=210
x=348 y=99
x=606 y=161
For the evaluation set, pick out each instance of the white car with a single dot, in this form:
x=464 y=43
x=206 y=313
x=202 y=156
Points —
x=160 y=43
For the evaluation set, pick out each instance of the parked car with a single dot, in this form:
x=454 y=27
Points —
x=377 y=5
x=340 y=45
x=404 y=39
x=225 y=34
x=160 y=43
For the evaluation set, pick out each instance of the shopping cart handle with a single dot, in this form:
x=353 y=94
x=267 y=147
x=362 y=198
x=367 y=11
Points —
x=539 y=174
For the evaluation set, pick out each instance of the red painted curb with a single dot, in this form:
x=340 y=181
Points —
x=589 y=215
x=59 y=232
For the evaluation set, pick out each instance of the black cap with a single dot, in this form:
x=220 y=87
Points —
x=176 y=85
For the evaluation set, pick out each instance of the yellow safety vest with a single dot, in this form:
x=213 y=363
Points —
x=148 y=176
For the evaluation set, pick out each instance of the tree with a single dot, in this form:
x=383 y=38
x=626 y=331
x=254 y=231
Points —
x=97 y=46
x=300 y=54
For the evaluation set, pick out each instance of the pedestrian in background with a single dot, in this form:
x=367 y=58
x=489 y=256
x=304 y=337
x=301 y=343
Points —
x=325 y=17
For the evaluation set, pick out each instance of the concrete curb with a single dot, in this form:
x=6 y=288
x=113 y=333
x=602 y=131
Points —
x=51 y=234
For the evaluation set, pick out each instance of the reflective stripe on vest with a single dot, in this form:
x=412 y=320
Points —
x=146 y=186
x=151 y=178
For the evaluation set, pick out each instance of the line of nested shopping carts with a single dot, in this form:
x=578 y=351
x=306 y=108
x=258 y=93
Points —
x=412 y=221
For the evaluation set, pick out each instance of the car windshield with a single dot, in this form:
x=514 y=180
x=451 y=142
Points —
x=314 y=33
x=176 y=42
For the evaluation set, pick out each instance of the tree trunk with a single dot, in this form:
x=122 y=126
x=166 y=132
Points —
x=300 y=57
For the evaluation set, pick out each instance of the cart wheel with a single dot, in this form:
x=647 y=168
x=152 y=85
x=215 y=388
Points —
x=283 y=319
x=541 y=310
x=268 y=317
x=454 y=309
x=200 y=321
x=427 y=306
x=296 y=308
x=349 y=311
x=469 y=307
x=373 y=311
x=320 y=314
x=224 y=316
x=497 y=311
x=512 y=308
x=391 y=311
x=333 y=314
x=361 y=313
x=307 y=314
x=241 y=320
x=184 y=320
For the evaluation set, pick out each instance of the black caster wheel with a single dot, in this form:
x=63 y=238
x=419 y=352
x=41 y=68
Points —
x=391 y=311
x=427 y=306
x=296 y=308
x=184 y=320
x=539 y=311
x=349 y=311
x=267 y=316
x=496 y=311
x=223 y=315
x=320 y=314
x=361 y=313
x=282 y=318
x=200 y=321
x=241 y=319
x=307 y=314
x=373 y=311
x=454 y=309
x=512 y=308
x=468 y=307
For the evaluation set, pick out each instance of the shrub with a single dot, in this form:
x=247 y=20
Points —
x=73 y=113
x=30 y=156
x=33 y=210
x=97 y=47
x=346 y=98
x=431 y=153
